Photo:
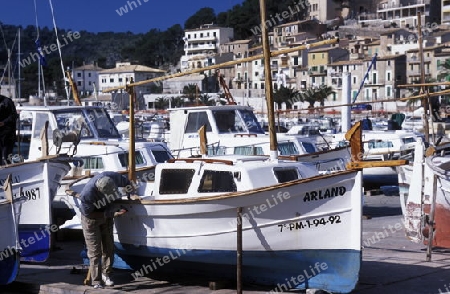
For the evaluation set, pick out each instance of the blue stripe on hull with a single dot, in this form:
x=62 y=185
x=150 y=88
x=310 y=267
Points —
x=9 y=266
x=335 y=271
x=35 y=242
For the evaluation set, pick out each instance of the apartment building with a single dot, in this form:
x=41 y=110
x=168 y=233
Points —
x=445 y=12
x=318 y=61
x=86 y=78
x=202 y=44
x=403 y=13
x=124 y=72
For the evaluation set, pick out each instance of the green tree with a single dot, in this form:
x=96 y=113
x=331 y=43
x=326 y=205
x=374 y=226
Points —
x=176 y=102
x=161 y=103
x=191 y=91
x=285 y=95
x=316 y=94
x=203 y=16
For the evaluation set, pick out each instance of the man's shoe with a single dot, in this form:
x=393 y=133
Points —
x=97 y=286
x=107 y=281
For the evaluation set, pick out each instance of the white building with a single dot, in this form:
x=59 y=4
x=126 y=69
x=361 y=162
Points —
x=86 y=78
x=124 y=72
x=202 y=44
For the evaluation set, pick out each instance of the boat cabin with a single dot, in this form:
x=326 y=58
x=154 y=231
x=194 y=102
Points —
x=230 y=129
x=89 y=133
x=194 y=177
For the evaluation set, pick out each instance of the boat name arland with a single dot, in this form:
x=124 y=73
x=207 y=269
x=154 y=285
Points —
x=323 y=194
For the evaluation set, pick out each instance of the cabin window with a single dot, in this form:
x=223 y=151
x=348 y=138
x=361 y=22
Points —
x=175 y=181
x=380 y=144
x=196 y=120
x=286 y=175
x=248 y=150
x=287 y=148
x=220 y=150
x=217 y=181
x=309 y=147
x=93 y=163
x=123 y=158
x=408 y=140
x=227 y=121
x=102 y=123
x=161 y=155
x=250 y=121
x=39 y=123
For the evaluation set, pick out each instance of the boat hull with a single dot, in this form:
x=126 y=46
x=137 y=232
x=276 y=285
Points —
x=295 y=269
x=280 y=229
x=9 y=255
x=37 y=182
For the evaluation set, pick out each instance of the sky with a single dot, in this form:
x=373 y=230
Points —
x=137 y=16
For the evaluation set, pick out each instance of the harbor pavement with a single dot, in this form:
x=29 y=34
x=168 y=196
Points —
x=391 y=264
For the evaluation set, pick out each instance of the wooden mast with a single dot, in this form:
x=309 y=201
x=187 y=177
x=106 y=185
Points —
x=426 y=128
x=268 y=82
x=131 y=151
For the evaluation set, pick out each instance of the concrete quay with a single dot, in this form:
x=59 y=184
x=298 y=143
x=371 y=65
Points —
x=391 y=264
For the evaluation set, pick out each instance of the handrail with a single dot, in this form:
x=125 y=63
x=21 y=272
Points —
x=207 y=160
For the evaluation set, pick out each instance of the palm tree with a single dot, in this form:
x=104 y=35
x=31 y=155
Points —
x=285 y=95
x=316 y=94
x=191 y=91
x=161 y=103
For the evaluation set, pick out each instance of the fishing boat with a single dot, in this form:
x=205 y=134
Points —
x=426 y=200
x=230 y=129
x=9 y=243
x=190 y=222
x=37 y=181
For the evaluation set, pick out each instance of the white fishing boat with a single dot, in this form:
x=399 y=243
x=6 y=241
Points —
x=230 y=129
x=38 y=181
x=190 y=222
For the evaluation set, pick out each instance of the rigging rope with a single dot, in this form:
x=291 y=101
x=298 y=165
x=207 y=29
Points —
x=59 y=51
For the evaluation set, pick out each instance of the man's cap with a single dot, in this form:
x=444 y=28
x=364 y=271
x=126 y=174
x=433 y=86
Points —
x=107 y=187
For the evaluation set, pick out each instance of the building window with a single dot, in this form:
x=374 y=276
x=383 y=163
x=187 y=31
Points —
x=388 y=92
x=79 y=74
x=388 y=76
x=120 y=80
x=89 y=74
x=111 y=80
x=314 y=56
x=79 y=83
